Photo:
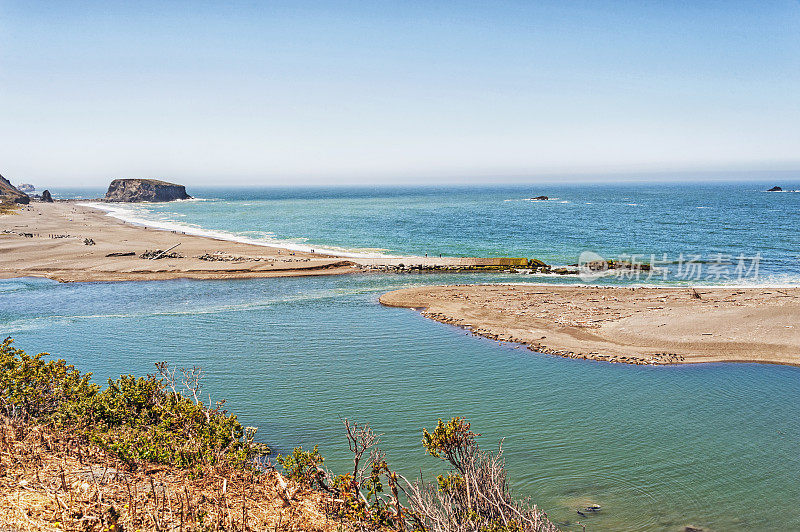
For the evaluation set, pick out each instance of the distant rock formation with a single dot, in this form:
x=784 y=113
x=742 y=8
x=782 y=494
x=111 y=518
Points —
x=540 y=198
x=46 y=197
x=133 y=190
x=775 y=189
x=10 y=194
x=27 y=188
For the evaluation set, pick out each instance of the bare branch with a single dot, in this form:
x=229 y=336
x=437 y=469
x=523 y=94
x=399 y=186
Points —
x=360 y=438
x=167 y=374
x=191 y=380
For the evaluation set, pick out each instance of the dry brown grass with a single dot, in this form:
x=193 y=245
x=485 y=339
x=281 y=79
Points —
x=51 y=481
x=7 y=207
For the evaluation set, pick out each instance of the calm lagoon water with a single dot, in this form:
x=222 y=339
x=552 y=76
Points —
x=658 y=447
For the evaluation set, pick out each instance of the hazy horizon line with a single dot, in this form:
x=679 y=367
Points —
x=686 y=177
x=494 y=184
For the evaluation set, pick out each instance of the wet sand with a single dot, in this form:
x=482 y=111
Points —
x=627 y=325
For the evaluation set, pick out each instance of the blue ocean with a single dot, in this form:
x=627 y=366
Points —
x=728 y=225
x=659 y=448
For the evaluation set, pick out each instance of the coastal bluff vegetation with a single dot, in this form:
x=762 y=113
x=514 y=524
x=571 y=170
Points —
x=145 y=453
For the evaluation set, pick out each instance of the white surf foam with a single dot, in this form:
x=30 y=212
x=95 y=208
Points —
x=138 y=218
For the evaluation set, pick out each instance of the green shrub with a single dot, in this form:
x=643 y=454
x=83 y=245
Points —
x=46 y=391
x=136 y=419
x=301 y=466
x=452 y=441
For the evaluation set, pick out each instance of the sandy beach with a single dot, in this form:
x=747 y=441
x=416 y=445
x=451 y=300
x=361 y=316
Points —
x=50 y=240
x=67 y=241
x=627 y=325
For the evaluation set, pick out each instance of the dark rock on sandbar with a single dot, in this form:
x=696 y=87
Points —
x=775 y=189
x=10 y=194
x=133 y=190
x=46 y=197
x=540 y=198
x=565 y=271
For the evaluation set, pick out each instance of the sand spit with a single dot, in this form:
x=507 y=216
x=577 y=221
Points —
x=627 y=325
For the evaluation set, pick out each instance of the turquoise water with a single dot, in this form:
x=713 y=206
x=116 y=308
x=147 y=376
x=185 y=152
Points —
x=667 y=221
x=658 y=447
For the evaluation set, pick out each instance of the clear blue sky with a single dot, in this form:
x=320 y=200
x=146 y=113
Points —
x=396 y=92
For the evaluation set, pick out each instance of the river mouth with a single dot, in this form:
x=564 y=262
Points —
x=658 y=448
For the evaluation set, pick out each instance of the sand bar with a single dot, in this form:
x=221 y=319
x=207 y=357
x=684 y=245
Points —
x=627 y=325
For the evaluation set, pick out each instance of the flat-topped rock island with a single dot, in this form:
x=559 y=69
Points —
x=137 y=190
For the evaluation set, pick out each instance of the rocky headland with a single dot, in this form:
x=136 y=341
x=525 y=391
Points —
x=10 y=194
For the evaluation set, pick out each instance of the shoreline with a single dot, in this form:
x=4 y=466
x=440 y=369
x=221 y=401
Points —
x=71 y=242
x=117 y=211
x=631 y=325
